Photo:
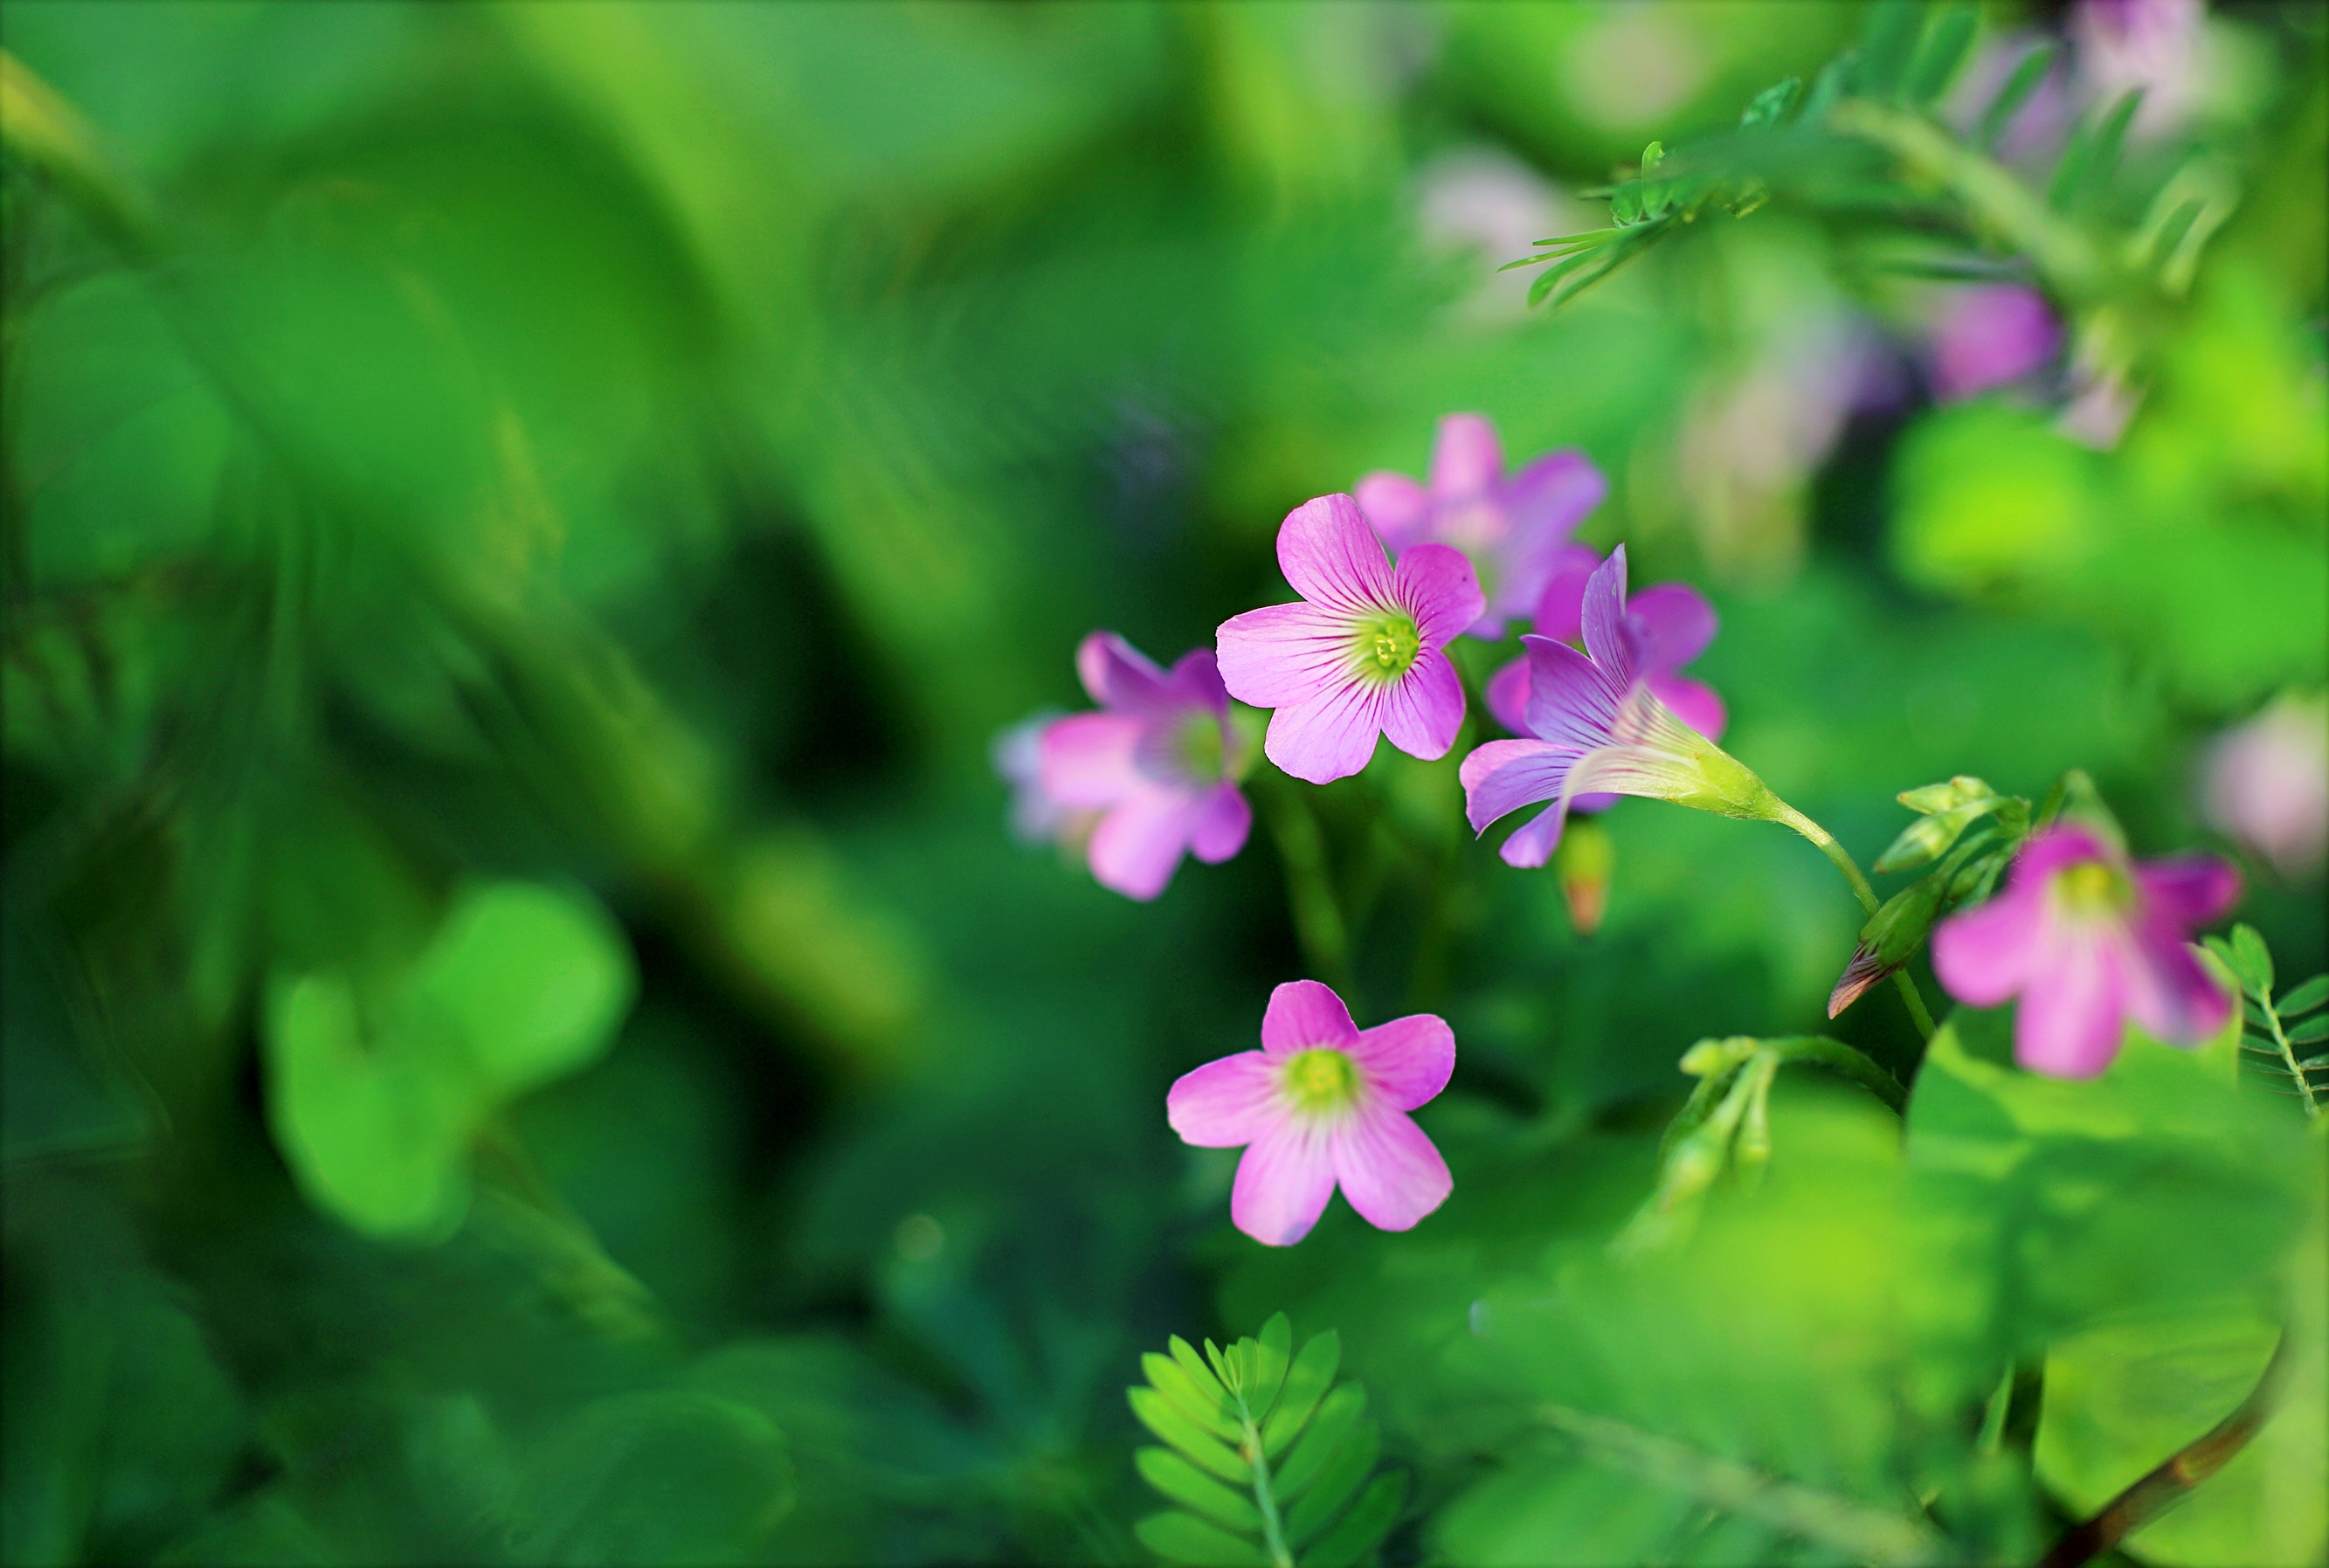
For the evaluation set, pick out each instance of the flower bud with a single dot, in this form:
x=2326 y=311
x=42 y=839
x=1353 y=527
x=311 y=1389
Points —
x=1930 y=836
x=1583 y=863
x=1892 y=933
x=1962 y=790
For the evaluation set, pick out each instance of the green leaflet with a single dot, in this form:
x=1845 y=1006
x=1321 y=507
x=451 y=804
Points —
x=1227 y=1415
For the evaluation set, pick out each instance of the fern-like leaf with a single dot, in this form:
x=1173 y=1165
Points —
x=2276 y=1028
x=1268 y=1462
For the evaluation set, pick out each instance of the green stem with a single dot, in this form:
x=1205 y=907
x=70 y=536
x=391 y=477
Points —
x=1318 y=923
x=1839 y=1057
x=1827 y=845
x=1273 y=1533
x=2287 y=1052
x=1993 y=1415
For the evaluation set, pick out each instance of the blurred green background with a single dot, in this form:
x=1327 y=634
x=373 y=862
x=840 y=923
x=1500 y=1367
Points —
x=527 y=1035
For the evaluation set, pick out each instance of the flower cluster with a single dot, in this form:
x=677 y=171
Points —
x=1386 y=581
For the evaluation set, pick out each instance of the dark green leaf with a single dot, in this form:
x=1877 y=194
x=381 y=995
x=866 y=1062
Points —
x=2314 y=1064
x=1306 y=1383
x=1888 y=40
x=1158 y=1415
x=1184 y=1483
x=1345 y=1473
x=2308 y=1031
x=1832 y=83
x=2257 y=1015
x=2014 y=94
x=1178 y=1538
x=2304 y=998
x=1364 y=1527
x=1335 y=1422
x=2070 y=170
x=1947 y=42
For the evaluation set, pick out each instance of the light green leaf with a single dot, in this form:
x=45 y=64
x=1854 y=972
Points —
x=1364 y=1527
x=536 y=979
x=1184 y=1483
x=2251 y=960
x=1335 y=1420
x=1179 y=1539
x=1345 y=1472
x=1168 y=1378
x=2304 y=998
x=1159 y=1416
x=1269 y=1355
x=1306 y=1383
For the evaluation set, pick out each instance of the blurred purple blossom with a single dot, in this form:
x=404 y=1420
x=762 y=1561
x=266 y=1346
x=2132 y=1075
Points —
x=1361 y=655
x=1323 y=1103
x=1512 y=529
x=1989 y=335
x=2086 y=940
x=1156 y=765
x=2266 y=783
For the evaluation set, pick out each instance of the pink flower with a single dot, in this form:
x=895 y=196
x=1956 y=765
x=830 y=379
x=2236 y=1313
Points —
x=1512 y=529
x=1158 y=764
x=1596 y=723
x=1671 y=624
x=1323 y=1102
x=1017 y=754
x=2087 y=939
x=1362 y=655
x=1989 y=335
x=2267 y=784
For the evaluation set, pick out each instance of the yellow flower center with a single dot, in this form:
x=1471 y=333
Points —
x=2091 y=887
x=1386 y=645
x=1321 y=1080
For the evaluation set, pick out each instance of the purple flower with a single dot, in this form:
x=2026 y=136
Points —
x=1158 y=764
x=2267 y=784
x=1361 y=655
x=1990 y=335
x=1671 y=621
x=1598 y=726
x=1017 y=754
x=1323 y=1102
x=2087 y=939
x=1512 y=529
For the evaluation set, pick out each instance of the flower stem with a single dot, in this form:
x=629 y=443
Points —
x=1318 y=923
x=2288 y=1054
x=1827 y=845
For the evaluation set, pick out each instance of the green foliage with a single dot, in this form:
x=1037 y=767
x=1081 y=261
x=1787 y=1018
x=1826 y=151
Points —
x=375 y=1096
x=2276 y=1033
x=1296 y=1450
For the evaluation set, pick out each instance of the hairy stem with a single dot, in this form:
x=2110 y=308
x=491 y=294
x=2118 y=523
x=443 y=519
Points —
x=1827 y=845
x=2173 y=1479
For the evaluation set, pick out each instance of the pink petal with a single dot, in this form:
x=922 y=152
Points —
x=1572 y=699
x=1607 y=637
x=1533 y=843
x=1397 y=506
x=1436 y=584
x=1119 y=676
x=1507 y=695
x=1139 y=844
x=1552 y=495
x=1304 y=1014
x=1285 y=653
x=1502 y=776
x=2190 y=889
x=1674 y=623
x=1331 y=736
x=1988 y=953
x=1283 y=1183
x=1086 y=760
x=2050 y=849
x=2169 y=991
x=1221 y=825
x=1228 y=1103
x=1466 y=459
x=1388 y=1170
x=1423 y=709
x=1561 y=610
x=1694 y=703
x=1330 y=553
x=1407 y=1060
x=1197 y=681
x=2072 y=1010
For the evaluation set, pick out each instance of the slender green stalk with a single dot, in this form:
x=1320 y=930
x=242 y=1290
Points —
x=1318 y=922
x=2289 y=1053
x=1838 y=1057
x=1827 y=845
x=1273 y=1533
x=1993 y=1414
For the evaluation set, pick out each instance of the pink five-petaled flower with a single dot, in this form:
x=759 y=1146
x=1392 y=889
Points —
x=1322 y=1101
x=1599 y=725
x=2086 y=939
x=1158 y=764
x=1361 y=655
x=1512 y=529
x=1672 y=622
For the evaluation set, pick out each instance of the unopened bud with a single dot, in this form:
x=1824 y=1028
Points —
x=1962 y=790
x=1930 y=836
x=1583 y=864
x=1892 y=933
